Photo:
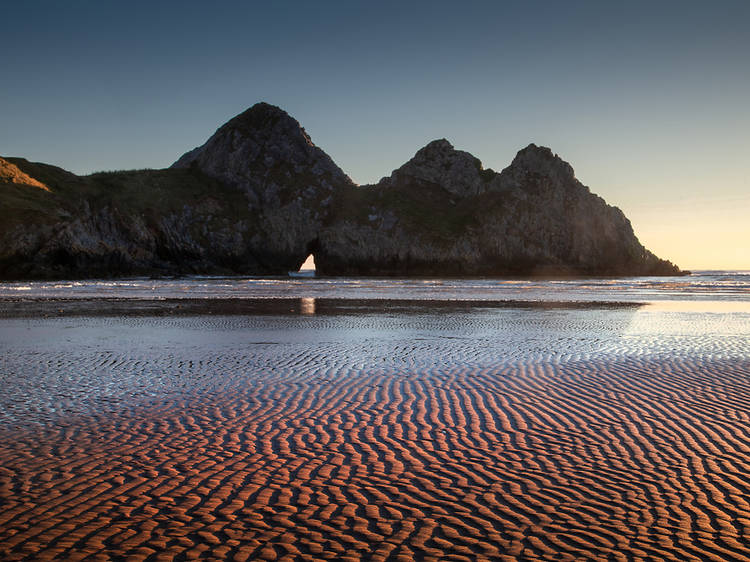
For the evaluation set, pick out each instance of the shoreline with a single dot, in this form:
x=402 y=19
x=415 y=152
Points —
x=124 y=306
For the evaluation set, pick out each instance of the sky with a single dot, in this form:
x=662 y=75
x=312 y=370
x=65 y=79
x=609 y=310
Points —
x=648 y=101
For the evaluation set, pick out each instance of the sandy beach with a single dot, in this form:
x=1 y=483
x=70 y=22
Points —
x=324 y=430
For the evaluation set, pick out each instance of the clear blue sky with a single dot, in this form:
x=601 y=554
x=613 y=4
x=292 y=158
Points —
x=649 y=101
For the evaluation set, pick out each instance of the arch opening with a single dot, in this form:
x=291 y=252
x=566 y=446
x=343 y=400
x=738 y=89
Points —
x=308 y=264
x=307 y=269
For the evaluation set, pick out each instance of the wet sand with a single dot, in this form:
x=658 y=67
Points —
x=389 y=433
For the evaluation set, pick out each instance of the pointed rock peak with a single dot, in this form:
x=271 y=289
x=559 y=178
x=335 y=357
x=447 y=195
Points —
x=10 y=173
x=264 y=117
x=541 y=151
x=442 y=151
x=260 y=141
x=437 y=145
x=541 y=160
x=264 y=108
x=440 y=164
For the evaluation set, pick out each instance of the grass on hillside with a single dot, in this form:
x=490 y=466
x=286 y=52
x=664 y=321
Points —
x=150 y=193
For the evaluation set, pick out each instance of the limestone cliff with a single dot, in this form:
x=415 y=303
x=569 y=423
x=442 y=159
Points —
x=289 y=182
x=442 y=212
x=162 y=222
x=259 y=196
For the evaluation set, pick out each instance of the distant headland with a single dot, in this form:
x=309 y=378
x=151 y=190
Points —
x=259 y=197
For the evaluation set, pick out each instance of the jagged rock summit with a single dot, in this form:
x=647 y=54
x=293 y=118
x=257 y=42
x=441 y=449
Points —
x=261 y=151
x=289 y=182
x=458 y=172
x=258 y=197
x=443 y=212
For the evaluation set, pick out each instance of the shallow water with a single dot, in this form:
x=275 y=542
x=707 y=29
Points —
x=57 y=367
x=723 y=286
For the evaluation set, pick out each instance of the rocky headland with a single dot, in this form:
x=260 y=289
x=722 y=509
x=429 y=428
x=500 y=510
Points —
x=258 y=197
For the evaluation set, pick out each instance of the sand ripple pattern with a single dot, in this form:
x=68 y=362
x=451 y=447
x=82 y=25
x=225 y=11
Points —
x=387 y=439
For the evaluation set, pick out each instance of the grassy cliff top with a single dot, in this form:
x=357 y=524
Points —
x=140 y=192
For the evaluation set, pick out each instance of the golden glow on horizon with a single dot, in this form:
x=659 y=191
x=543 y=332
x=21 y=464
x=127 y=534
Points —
x=704 y=237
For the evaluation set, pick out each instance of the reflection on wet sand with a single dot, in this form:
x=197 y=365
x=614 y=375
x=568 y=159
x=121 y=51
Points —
x=701 y=306
x=307 y=305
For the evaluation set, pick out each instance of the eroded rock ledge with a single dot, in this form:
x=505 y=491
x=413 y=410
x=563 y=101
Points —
x=258 y=197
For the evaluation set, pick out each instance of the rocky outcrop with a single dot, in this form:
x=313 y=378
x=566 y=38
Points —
x=264 y=151
x=158 y=222
x=289 y=182
x=438 y=163
x=442 y=213
x=258 y=197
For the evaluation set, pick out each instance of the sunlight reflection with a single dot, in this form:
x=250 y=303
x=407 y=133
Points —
x=699 y=306
x=307 y=305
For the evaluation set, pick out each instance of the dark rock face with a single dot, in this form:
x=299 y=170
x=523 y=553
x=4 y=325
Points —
x=158 y=222
x=259 y=196
x=441 y=213
x=289 y=182
x=264 y=151
x=438 y=163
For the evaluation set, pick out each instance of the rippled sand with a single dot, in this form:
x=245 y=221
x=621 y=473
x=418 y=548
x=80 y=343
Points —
x=381 y=433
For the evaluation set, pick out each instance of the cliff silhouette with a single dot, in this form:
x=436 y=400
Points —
x=259 y=197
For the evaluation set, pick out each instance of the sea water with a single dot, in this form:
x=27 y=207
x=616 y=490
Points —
x=701 y=287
